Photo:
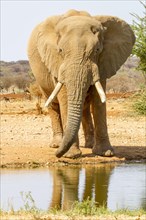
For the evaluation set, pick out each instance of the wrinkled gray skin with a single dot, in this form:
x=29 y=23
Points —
x=78 y=50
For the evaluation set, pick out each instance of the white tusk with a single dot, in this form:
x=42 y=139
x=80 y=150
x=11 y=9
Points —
x=54 y=94
x=100 y=91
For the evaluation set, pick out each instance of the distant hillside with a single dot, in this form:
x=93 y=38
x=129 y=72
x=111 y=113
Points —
x=18 y=67
x=18 y=74
x=15 y=74
x=127 y=79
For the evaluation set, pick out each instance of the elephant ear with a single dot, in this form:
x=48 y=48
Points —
x=117 y=45
x=47 y=43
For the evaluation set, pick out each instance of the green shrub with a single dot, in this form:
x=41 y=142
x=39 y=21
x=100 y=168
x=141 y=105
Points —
x=139 y=28
x=140 y=103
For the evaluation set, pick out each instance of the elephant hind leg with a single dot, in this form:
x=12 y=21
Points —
x=87 y=124
x=56 y=141
x=54 y=114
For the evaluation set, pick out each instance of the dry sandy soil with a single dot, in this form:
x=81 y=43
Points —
x=65 y=217
x=25 y=135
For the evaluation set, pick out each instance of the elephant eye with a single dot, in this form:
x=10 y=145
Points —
x=94 y=29
x=60 y=50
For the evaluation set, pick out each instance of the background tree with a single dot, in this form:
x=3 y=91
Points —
x=139 y=27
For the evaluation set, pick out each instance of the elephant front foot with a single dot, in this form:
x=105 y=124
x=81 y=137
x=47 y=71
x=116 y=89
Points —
x=103 y=148
x=56 y=141
x=73 y=152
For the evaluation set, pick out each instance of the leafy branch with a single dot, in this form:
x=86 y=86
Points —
x=139 y=28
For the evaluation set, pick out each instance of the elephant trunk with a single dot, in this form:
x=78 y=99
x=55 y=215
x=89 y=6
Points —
x=72 y=127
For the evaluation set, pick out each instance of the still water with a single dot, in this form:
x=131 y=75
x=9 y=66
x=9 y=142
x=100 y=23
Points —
x=117 y=187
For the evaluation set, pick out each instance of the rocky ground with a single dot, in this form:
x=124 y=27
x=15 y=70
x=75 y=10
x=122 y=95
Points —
x=25 y=134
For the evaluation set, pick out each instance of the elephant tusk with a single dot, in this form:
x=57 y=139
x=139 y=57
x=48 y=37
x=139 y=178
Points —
x=100 y=91
x=54 y=94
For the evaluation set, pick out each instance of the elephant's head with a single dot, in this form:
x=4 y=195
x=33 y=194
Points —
x=79 y=50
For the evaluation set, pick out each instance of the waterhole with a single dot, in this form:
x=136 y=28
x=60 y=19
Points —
x=116 y=187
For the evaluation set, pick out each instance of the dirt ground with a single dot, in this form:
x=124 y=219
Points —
x=65 y=217
x=25 y=135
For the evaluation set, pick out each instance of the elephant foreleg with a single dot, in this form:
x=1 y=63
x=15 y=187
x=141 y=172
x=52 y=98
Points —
x=102 y=144
x=54 y=113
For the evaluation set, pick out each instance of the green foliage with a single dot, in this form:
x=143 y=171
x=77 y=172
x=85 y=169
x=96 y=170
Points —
x=88 y=208
x=139 y=28
x=84 y=209
x=140 y=103
x=29 y=203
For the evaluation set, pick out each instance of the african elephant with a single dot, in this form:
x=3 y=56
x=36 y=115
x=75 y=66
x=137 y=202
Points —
x=71 y=57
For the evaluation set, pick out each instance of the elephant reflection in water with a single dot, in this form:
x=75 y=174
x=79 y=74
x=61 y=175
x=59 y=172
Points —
x=96 y=183
x=66 y=185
